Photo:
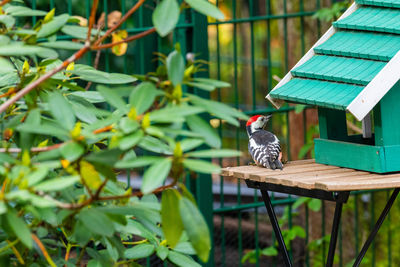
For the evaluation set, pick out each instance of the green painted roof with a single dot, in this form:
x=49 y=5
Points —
x=339 y=69
x=372 y=19
x=366 y=45
x=344 y=64
x=316 y=92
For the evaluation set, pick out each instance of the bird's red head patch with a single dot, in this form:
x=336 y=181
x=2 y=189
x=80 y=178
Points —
x=252 y=119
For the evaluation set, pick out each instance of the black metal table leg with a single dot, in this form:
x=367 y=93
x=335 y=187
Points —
x=375 y=230
x=334 y=234
x=275 y=225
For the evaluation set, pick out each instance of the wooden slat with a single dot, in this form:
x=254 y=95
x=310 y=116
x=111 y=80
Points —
x=260 y=176
x=310 y=175
x=372 y=181
x=308 y=180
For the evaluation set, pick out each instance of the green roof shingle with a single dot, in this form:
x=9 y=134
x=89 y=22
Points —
x=372 y=19
x=366 y=45
x=339 y=69
x=382 y=3
x=315 y=92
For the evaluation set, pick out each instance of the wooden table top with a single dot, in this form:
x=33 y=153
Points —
x=310 y=175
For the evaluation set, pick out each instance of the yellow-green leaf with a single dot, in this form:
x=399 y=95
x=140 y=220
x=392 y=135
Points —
x=171 y=222
x=90 y=175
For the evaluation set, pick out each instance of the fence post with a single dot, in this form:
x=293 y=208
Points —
x=203 y=183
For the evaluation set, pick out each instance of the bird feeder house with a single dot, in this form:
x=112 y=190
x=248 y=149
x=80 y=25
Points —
x=354 y=67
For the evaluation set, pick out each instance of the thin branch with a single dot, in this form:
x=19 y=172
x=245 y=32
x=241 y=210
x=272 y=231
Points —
x=96 y=197
x=119 y=23
x=4 y=2
x=71 y=59
x=9 y=245
x=126 y=40
x=43 y=78
x=16 y=252
x=92 y=19
x=44 y=251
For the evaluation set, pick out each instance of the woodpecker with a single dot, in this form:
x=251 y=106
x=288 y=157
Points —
x=264 y=146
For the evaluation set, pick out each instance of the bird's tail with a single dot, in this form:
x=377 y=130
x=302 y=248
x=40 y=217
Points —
x=278 y=164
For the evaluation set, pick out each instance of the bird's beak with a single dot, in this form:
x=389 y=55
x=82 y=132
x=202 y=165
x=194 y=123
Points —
x=268 y=117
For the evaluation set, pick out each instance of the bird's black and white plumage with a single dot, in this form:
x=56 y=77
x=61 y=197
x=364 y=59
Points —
x=264 y=146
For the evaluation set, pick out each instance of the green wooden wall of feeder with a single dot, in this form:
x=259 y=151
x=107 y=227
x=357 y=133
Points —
x=354 y=67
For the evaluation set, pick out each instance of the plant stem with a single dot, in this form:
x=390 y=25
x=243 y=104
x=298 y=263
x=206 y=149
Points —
x=126 y=40
x=44 y=251
x=119 y=23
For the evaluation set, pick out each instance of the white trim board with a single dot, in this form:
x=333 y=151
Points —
x=278 y=103
x=376 y=89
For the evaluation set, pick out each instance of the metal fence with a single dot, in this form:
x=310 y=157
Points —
x=256 y=44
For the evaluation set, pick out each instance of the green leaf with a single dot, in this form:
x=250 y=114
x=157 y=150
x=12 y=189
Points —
x=53 y=26
x=314 y=204
x=198 y=125
x=165 y=16
x=6 y=66
x=38 y=175
x=94 y=263
x=185 y=247
x=97 y=222
x=45 y=129
x=3 y=207
x=22 y=11
x=156 y=175
x=155 y=145
x=202 y=86
x=91 y=96
x=71 y=151
x=206 y=8
x=181 y=260
x=172 y=114
x=212 y=82
x=128 y=125
x=61 y=110
x=298 y=231
x=5 y=158
x=162 y=252
x=191 y=143
x=196 y=228
x=79 y=32
x=175 y=67
x=215 y=153
x=139 y=251
x=18 y=49
x=269 y=251
x=8 y=21
x=107 y=157
x=83 y=113
x=90 y=175
x=112 y=98
x=57 y=184
x=201 y=166
x=299 y=108
x=131 y=140
x=90 y=74
x=19 y=228
x=67 y=45
x=142 y=97
x=171 y=222
x=137 y=162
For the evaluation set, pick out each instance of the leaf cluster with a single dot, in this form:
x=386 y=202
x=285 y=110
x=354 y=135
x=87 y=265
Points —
x=65 y=151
